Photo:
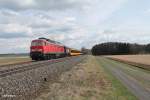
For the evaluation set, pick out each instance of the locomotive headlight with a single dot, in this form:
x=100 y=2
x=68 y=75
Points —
x=33 y=50
x=40 y=49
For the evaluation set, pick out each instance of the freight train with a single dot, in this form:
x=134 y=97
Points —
x=45 y=49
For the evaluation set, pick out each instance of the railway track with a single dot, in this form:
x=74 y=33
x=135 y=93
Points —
x=9 y=66
x=18 y=68
x=24 y=81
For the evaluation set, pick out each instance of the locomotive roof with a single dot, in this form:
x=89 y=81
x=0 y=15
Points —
x=51 y=41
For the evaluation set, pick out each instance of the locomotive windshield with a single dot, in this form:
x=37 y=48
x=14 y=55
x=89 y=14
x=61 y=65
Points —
x=37 y=43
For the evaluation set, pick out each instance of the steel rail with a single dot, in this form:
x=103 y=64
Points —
x=22 y=68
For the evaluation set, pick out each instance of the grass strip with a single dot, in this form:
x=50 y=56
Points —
x=119 y=90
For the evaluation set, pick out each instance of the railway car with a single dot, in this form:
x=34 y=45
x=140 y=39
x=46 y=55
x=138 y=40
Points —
x=74 y=52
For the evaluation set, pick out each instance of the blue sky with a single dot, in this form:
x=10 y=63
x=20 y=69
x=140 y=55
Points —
x=75 y=23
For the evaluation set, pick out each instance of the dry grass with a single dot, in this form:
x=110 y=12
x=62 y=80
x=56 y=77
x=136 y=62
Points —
x=86 y=81
x=143 y=59
x=13 y=60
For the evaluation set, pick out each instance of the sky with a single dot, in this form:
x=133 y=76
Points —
x=74 y=23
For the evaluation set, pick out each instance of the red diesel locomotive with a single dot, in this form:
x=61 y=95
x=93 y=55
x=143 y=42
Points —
x=45 y=49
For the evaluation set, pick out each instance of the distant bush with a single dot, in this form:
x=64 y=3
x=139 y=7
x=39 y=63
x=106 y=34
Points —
x=147 y=48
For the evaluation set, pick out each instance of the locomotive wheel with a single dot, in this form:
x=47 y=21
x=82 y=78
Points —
x=54 y=56
x=48 y=57
x=44 y=57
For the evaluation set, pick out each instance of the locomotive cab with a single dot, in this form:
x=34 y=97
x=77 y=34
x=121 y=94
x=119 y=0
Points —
x=36 y=49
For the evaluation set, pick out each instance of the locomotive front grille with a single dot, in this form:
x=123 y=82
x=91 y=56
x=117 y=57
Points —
x=36 y=55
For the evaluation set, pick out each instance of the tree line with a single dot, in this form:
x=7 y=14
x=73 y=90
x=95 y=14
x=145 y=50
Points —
x=85 y=51
x=118 y=48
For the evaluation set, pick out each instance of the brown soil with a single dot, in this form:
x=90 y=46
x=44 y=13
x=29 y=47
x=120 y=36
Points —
x=143 y=59
x=13 y=60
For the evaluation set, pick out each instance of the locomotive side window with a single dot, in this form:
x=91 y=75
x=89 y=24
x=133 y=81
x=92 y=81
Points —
x=46 y=43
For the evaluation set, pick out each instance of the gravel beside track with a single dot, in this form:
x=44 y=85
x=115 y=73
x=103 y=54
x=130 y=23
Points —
x=23 y=84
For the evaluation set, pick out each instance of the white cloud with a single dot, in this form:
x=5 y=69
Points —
x=42 y=4
x=14 y=31
x=20 y=45
x=75 y=23
x=147 y=12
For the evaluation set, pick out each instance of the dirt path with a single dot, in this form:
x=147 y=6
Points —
x=135 y=79
x=86 y=81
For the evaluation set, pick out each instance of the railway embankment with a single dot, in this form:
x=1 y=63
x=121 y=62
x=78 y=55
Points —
x=25 y=85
